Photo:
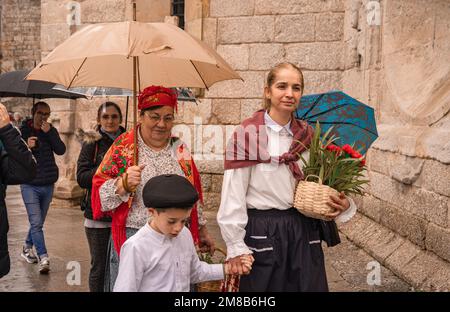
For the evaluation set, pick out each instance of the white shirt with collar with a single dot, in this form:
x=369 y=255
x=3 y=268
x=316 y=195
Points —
x=263 y=187
x=152 y=262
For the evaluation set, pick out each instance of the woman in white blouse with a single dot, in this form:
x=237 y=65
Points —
x=256 y=215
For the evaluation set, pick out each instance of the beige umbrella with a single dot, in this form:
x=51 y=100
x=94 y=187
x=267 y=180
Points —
x=102 y=55
x=133 y=55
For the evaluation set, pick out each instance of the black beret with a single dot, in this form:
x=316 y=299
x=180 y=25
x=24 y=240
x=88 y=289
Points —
x=169 y=190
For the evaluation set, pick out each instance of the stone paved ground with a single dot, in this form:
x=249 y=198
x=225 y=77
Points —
x=346 y=264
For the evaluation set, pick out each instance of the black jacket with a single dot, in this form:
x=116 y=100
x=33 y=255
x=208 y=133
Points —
x=48 y=143
x=87 y=165
x=17 y=165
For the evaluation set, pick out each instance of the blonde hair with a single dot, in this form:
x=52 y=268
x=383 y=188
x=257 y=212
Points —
x=273 y=74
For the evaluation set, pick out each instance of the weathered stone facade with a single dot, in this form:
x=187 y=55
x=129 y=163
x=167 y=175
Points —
x=400 y=66
x=20 y=34
x=393 y=55
x=20 y=42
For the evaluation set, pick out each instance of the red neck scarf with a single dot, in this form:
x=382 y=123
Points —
x=248 y=145
x=116 y=161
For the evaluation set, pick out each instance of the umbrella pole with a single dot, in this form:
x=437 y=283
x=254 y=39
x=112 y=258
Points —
x=126 y=113
x=135 y=158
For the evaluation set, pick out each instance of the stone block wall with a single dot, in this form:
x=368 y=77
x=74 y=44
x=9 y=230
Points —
x=252 y=36
x=409 y=165
x=20 y=38
x=20 y=34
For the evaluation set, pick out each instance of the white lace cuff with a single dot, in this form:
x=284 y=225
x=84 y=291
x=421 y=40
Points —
x=108 y=197
x=348 y=214
x=236 y=249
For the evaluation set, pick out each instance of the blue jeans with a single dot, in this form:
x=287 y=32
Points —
x=37 y=200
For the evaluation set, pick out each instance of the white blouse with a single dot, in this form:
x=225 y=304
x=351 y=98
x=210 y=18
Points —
x=150 y=261
x=156 y=163
x=263 y=187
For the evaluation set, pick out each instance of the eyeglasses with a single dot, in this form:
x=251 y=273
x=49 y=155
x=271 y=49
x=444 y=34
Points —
x=156 y=118
x=113 y=116
x=44 y=115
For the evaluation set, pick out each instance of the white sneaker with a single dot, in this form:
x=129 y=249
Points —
x=28 y=255
x=44 y=265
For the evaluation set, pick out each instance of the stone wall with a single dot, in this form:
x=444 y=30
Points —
x=20 y=34
x=252 y=36
x=20 y=23
x=397 y=60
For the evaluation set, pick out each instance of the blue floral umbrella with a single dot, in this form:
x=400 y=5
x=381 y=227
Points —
x=352 y=121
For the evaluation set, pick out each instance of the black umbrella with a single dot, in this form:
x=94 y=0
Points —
x=13 y=84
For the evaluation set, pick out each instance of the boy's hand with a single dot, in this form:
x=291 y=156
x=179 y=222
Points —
x=227 y=268
x=240 y=265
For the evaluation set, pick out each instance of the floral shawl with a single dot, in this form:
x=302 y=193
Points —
x=248 y=148
x=116 y=161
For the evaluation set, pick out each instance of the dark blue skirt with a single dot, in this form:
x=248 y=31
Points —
x=287 y=249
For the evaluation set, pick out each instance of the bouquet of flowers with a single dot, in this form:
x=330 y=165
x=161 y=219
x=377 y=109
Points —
x=336 y=169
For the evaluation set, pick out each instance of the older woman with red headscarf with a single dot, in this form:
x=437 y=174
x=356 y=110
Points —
x=118 y=182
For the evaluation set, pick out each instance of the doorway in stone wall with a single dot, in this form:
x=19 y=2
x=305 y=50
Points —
x=177 y=9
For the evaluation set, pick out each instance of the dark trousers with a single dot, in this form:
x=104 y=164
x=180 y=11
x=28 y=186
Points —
x=98 y=247
x=287 y=249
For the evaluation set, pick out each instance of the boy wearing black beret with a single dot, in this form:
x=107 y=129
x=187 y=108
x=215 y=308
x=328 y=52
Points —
x=161 y=256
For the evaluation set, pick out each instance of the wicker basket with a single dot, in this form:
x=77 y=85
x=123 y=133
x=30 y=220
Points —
x=310 y=199
x=211 y=286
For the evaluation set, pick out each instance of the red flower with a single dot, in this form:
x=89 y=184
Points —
x=331 y=147
x=348 y=149
x=356 y=155
x=334 y=148
x=363 y=163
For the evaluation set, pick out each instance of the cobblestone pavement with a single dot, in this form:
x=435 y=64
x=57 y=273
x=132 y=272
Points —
x=348 y=267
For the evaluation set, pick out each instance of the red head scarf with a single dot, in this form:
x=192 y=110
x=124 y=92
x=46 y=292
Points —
x=157 y=96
